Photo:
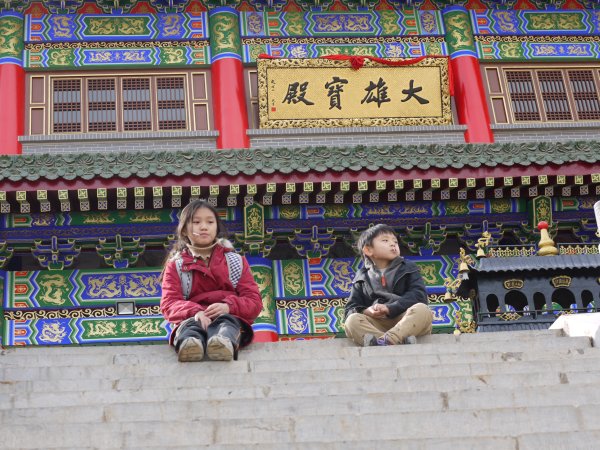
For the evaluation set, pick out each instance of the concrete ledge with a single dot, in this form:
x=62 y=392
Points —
x=355 y=130
x=84 y=137
x=371 y=136
x=546 y=132
x=580 y=325
x=119 y=142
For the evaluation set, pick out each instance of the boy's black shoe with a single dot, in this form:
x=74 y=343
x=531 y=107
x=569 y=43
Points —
x=191 y=350
x=371 y=341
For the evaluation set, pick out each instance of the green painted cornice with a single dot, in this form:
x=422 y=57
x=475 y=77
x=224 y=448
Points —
x=88 y=166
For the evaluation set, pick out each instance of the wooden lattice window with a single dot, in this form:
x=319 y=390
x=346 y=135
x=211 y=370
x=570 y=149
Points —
x=66 y=106
x=522 y=96
x=543 y=94
x=137 y=111
x=585 y=94
x=554 y=95
x=170 y=97
x=127 y=101
x=102 y=105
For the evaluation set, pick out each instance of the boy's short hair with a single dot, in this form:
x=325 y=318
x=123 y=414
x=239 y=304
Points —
x=367 y=236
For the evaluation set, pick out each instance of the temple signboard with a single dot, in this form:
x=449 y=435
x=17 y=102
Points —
x=309 y=93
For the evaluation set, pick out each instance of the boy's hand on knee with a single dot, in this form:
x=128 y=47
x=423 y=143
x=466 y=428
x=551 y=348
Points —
x=217 y=309
x=203 y=319
x=377 y=311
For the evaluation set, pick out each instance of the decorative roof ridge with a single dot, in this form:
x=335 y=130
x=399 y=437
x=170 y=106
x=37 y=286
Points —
x=145 y=164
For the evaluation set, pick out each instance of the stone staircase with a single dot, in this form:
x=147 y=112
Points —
x=510 y=390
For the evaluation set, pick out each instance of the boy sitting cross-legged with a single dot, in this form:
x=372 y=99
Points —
x=388 y=302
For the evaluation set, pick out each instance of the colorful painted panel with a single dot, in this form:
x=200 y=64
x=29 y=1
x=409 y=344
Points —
x=332 y=277
x=94 y=218
x=326 y=316
x=176 y=54
x=364 y=23
x=381 y=48
x=557 y=49
x=573 y=203
x=11 y=38
x=86 y=330
x=396 y=210
x=134 y=27
x=80 y=288
x=262 y=270
x=292 y=278
x=328 y=277
x=528 y=23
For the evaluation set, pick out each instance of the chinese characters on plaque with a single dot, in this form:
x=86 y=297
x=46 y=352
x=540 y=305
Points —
x=305 y=93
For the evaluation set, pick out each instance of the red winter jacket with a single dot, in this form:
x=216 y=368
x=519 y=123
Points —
x=209 y=285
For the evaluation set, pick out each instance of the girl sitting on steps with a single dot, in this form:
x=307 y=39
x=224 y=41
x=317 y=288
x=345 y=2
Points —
x=208 y=291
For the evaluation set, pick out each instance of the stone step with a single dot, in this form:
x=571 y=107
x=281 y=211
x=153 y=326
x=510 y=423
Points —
x=297 y=346
x=235 y=378
x=416 y=354
x=175 y=405
x=493 y=423
x=379 y=358
x=275 y=351
x=382 y=359
x=270 y=387
x=534 y=441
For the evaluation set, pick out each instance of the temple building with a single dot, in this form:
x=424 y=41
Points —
x=460 y=124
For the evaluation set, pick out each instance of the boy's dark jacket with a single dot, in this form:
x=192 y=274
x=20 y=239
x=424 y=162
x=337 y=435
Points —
x=407 y=289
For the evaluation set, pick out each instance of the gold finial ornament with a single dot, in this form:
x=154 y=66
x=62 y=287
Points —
x=451 y=288
x=463 y=264
x=546 y=245
x=482 y=244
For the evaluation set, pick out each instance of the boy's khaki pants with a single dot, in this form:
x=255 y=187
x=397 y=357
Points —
x=415 y=321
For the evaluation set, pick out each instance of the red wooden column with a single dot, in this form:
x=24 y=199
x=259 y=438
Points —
x=469 y=94
x=12 y=83
x=228 y=94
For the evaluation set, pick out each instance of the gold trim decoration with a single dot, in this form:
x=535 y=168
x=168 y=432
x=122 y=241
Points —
x=509 y=316
x=561 y=281
x=313 y=303
x=38 y=47
x=578 y=249
x=315 y=93
x=110 y=311
x=329 y=41
x=535 y=39
x=513 y=283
